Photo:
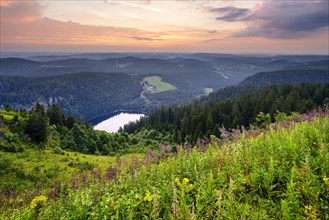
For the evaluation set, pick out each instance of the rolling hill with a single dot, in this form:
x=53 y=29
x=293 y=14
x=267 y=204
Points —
x=190 y=74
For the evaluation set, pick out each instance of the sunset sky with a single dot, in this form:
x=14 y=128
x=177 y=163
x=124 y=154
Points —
x=271 y=26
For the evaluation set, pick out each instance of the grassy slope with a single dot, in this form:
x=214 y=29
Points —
x=23 y=170
x=158 y=84
x=279 y=174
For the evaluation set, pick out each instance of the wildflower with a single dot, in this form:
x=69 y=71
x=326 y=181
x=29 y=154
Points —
x=185 y=181
x=148 y=197
x=190 y=187
x=177 y=181
x=326 y=180
x=38 y=201
x=310 y=212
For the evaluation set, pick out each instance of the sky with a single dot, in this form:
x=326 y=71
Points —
x=217 y=26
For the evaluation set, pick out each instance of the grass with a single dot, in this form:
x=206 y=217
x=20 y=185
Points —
x=24 y=169
x=278 y=173
x=154 y=84
x=207 y=90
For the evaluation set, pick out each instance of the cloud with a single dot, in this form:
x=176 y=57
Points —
x=278 y=19
x=22 y=24
x=47 y=29
x=212 y=32
x=20 y=11
x=140 y=5
x=287 y=19
x=145 y=38
x=230 y=13
x=211 y=40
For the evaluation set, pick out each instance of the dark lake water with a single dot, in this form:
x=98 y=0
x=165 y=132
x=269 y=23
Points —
x=113 y=123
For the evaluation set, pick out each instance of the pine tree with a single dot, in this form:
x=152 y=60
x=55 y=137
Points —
x=37 y=125
x=55 y=115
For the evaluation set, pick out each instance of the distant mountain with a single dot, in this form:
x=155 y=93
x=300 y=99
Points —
x=286 y=77
x=18 y=66
x=191 y=74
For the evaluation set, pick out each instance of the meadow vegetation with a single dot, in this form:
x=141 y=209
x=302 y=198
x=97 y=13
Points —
x=279 y=171
x=154 y=84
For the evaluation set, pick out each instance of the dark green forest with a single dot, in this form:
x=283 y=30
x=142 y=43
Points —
x=84 y=95
x=200 y=119
x=91 y=95
x=263 y=79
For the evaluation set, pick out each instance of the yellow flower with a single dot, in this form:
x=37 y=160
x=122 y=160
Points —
x=308 y=207
x=148 y=197
x=185 y=181
x=190 y=187
x=326 y=180
x=38 y=201
x=310 y=212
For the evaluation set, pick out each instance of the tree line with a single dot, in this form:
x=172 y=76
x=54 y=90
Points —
x=84 y=95
x=200 y=119
x=48 y=126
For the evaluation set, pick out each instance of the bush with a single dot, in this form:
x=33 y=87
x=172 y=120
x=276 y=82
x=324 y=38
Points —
x=57 y=150
x=5 y=163
x=11 y=147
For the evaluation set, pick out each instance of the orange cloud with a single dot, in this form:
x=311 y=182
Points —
x=22 y=25
x=24 y=29
x=19 y=11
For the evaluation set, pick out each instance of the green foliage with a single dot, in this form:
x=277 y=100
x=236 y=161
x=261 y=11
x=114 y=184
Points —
x=263 y=120
x=37 y=124
x=280 y=173
x=200 y=119
x=52 y=129
x=55 y=115
x=8 y=108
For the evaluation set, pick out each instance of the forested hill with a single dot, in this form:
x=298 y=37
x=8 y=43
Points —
x=196 y=120
x=286 y=77
x=85 y=95
x=263 y=79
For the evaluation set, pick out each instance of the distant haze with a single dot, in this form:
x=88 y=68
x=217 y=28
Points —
x=281 y=27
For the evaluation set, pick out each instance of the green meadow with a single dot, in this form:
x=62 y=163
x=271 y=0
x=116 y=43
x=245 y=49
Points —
x=154 y=84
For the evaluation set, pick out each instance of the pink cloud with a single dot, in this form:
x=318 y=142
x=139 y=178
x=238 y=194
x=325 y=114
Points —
x=21 y=23
x=278 y=19
x=20 y=11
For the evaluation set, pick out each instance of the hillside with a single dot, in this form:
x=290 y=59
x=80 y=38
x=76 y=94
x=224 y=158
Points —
x=263 y=79
x=239 y=106
x=85 y=95
x=286 y=77
x=80 y=93
x=190 y=74
x=280 y=172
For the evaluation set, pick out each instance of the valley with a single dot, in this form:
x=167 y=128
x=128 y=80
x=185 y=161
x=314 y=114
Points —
x=78 y=82
x=164 y=110
x=195 y=143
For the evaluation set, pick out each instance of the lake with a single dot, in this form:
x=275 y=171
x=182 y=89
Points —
x=113 y=123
